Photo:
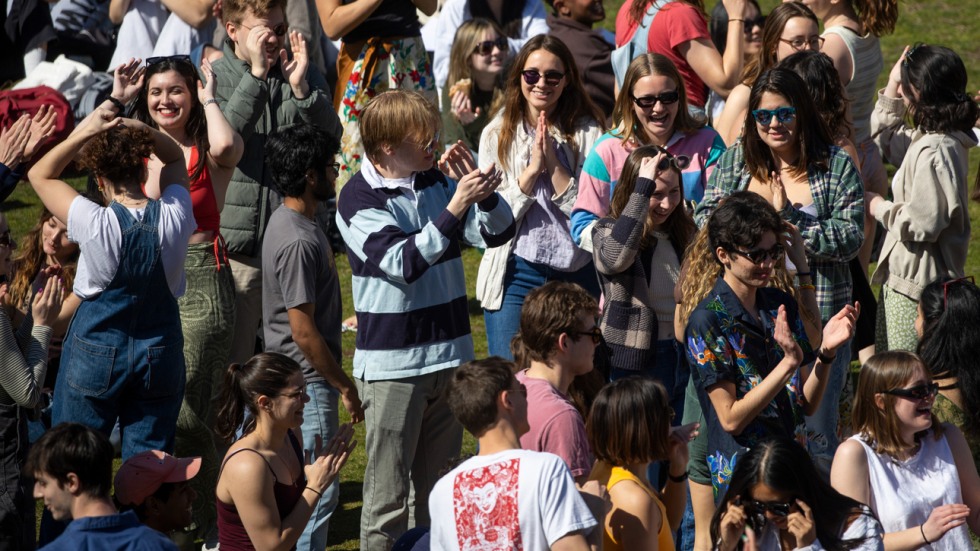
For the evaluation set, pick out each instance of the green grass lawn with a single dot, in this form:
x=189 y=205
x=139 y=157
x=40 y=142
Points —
x=951 y=23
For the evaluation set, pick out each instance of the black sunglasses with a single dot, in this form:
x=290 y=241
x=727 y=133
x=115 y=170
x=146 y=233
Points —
x=918 y=392
x=782 y=114
x=551 y=78
x=752 y=23
x=680 y=162
x=486 y=47
x=179 y=58
x=759 y=256
x=775 y=507
x=667 y=98
x=595 y=333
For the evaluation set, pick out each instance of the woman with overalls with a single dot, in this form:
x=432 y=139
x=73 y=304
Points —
x=124 y=347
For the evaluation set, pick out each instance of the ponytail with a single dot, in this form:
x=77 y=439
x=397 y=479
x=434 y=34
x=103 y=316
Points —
x=266 y=374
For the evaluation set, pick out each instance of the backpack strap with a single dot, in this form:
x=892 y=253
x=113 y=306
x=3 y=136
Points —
x=637 y=44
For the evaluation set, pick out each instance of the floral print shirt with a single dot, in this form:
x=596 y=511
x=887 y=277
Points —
x=725 y=343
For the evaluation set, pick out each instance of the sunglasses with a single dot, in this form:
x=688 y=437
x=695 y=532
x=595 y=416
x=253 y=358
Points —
x=753 y=23
x=427 y=147
x=919 y=392
x=551 y=78
x=299 y=394
x=179 y=58
x=667 y=98
x=486 y=47
x=762 y=507
x=680 y=162
x=759 y=256
x=782 y=114
x=814 y=42
x=908 y=55
x=945 y=285
x=279 y=30
x=595 y=333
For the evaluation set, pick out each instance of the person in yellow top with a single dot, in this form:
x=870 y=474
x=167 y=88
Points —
x=625 y=442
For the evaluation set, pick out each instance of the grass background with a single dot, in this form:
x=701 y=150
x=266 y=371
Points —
x=951 y=23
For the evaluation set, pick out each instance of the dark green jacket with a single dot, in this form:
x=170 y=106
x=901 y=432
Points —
x=256 y=109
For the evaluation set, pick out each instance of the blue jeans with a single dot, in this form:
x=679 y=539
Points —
x=521 y=277
x=825 y=421
x=319 y=418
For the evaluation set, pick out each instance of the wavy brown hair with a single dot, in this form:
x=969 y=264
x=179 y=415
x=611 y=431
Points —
x=624 y=115
x=30 y=260
x=829 y=98
x=879 y=425
x=572 y=106
x=117 y=155
x=877 y=16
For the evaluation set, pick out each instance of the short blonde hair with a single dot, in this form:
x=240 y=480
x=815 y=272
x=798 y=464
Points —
x=395 y=116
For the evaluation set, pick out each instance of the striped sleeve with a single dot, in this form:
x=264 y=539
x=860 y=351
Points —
x=22 y=374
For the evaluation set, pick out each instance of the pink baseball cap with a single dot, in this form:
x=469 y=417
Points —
x=141 y=475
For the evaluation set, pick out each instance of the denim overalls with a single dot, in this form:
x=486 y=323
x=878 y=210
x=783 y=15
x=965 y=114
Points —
x=123 y=354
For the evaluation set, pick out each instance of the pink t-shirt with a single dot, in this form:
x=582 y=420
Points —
x=675 y=24
x=556 y=426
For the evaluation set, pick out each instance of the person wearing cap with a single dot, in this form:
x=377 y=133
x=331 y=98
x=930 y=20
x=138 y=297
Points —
x=155 y=485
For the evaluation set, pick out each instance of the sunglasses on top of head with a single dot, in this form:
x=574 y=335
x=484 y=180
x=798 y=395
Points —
x=666 y=98
x=782 y=114
x=680 y=162
x=918 y=392
x=179 y=58
x=486 y=47
x=551 y=78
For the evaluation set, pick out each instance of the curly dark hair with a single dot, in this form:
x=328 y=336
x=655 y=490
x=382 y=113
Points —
x=818 y=72
x=740 y=221
x=939 y=102
x=118 y=154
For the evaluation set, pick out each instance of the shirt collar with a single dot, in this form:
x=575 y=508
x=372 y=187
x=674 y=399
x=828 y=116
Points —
x=120 y=520
x=734 y=306
x=377 y=181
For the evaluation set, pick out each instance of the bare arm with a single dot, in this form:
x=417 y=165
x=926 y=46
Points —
x=339 y=19
x=117 y=10
x=195 y=13
x=226 y=145
x=729 y=125
x=720 y=73
x=836 y=50
x=635 y=517
x=572 y=542
x=309 y=340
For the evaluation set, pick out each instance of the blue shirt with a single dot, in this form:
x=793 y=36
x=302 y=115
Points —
x=119 y=532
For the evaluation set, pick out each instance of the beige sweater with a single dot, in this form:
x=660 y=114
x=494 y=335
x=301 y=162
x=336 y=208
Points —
x=928 y=222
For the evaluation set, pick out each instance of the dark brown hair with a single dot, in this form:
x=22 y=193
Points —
x=118 y=155
x=265 y=374
x=772 y=32
x=236 y=10
x=549 y=311
x=630 y=422
x=473 y=390
x=73 y=448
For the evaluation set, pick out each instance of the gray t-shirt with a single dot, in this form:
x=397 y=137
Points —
x=298 y=268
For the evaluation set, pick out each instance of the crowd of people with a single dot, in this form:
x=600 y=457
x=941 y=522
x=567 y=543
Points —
x=676 y=222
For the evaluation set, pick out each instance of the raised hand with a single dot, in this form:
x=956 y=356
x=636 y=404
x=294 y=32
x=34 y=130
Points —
x=784 y=338
x=255 y=46
x=457 y=161
x=840 y=328
x=778 y=190
x=295 y=70
x=462 y=108
x=127 y=80
x=205 y=90
x=733 y=524
x=680 y=437
x=47 y=302
x=800 y=524
x=324 y=462
x=42 y=127
x=893 y=88
x=648 y=166
x=795 y=249
x=99 y=121
x=13 y=141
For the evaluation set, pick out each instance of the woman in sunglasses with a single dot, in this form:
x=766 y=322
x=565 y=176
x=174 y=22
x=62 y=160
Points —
x=789 y=28
x=915 y=473
x=751 y=43
x=949 y=343
x=539 y=140
x=653 y=112
x=629 y=428
x=788 y=157
x=777 y=491
x=471 y=93
x=927 y=223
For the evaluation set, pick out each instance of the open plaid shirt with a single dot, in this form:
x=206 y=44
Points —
x=832 y=237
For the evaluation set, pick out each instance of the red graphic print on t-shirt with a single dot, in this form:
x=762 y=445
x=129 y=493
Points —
x=485 y=505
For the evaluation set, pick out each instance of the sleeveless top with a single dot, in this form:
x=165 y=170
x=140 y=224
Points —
x=862 y=89
x=202 y=197
x=904 y=493
x=231 y=532
x=665 y=540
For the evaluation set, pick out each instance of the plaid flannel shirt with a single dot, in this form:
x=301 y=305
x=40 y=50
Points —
x=832 y=237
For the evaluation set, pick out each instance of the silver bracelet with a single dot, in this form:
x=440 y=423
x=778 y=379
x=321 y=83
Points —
x=209 y=102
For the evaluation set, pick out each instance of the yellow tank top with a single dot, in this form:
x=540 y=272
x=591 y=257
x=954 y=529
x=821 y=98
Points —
x=665 y=540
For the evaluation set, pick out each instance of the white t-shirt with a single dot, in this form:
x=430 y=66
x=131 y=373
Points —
x=99 y=236
x=139 y=31
x=515 y=499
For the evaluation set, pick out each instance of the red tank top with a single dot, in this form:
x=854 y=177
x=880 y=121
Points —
x=202 y=197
